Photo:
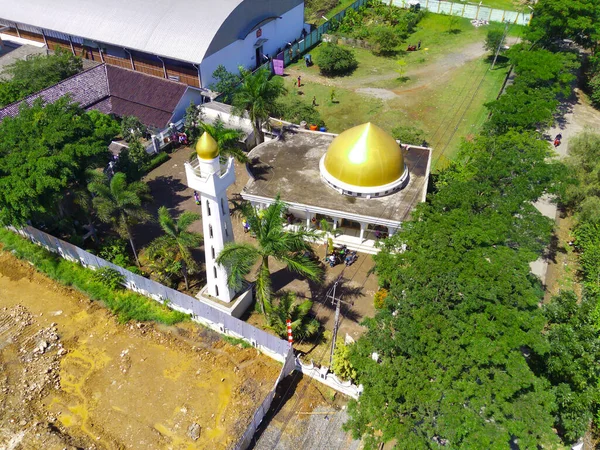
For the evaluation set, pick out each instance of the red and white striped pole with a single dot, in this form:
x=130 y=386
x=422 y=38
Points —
x=289 y=330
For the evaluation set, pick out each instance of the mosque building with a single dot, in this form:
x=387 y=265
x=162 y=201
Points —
x=362 y=182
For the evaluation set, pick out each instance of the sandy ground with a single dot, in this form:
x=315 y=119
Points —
x=72 y=377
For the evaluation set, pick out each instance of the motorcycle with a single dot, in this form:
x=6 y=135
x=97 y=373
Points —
x=351 y=257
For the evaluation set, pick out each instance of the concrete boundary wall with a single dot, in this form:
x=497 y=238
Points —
x=204 y=314
x=220 y=322
x=468 y=11
x=200 y=312
x=322 y=375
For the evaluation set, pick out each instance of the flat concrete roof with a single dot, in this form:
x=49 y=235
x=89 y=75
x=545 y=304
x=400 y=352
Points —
x=290 y=167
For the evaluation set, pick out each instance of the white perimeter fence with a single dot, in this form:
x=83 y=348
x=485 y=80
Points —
x=211 y=317
x=469 y=11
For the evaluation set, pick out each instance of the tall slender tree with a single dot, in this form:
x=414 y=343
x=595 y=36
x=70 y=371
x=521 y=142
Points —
x=120 y=204
x=272 y=241
x=178 y=241
x=256 y=96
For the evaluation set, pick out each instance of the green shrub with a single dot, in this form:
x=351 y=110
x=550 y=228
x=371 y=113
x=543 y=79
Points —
x=110 y=277
x=594 y=86
x=235 y=341
x=335 y=60
x=126 y=305
x=295 y=110
x=341 y=364
x=409 y=135
x=156 y=161
x=385 y=39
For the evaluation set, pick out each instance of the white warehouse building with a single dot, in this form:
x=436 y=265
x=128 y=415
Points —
x=184 y=40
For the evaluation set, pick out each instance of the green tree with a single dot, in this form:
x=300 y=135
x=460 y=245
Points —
x=255 y=96
x=386 y=39
x=461 y=323
x=303 y=325
x=120 y=204
x=178 y=241
x=106 y=127
x=228 y=140
x=38 y=72
x=272 y=241
x=191 y=121
x=572 y=363
x=44 y=150
x=294 y=110
x=226 y=83
x=132 y=128
x=583 y=195
x=493 y=39
x=555 y=20
x=334 y=60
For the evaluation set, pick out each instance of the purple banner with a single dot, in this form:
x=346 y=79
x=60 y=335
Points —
x=278 y=66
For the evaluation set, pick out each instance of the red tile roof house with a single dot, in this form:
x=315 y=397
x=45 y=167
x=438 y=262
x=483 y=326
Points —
x=122 y=92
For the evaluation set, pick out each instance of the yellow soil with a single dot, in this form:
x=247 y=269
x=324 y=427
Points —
x=120 y=386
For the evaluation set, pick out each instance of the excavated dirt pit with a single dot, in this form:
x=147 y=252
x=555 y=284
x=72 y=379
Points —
x=72 y=377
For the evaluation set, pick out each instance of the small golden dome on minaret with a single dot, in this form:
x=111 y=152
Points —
x=206 y=147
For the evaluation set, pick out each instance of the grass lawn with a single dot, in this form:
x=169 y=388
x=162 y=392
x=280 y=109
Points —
x=510 y=5
x=443 y=93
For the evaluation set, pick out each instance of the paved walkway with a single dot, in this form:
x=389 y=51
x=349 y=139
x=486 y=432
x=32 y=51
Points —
x=577 y=115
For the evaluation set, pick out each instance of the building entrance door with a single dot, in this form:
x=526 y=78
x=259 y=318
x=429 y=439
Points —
x=259 y=56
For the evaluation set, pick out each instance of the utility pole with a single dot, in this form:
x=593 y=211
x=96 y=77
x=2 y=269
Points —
x=337 y=301
x=500 y=46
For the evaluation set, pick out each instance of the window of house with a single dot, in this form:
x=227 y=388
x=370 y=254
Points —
x=210 y=231
x=207 y=207
x=212 y=252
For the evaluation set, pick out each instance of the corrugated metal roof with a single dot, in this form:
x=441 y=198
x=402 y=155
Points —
x=178 y=29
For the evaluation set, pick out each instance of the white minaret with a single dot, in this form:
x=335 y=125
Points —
x=211 y=181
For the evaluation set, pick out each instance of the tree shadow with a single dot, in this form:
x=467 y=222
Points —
x=258 y=169
x=348 y=294
x=165 y=191
x=284 y=392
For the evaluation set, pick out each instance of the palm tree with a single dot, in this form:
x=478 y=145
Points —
x=303 y=326
x=120 y=204
x=289 y=248
x=177 y=241
x=227 y=140
x=256 y=95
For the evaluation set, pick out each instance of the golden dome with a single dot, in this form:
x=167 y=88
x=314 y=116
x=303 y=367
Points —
x=365 y=156
x=206 y=147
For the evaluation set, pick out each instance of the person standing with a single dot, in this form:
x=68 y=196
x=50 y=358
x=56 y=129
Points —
x=299 y=80
x=419 y=45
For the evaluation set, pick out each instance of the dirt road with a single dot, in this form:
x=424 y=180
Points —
x=72 y=377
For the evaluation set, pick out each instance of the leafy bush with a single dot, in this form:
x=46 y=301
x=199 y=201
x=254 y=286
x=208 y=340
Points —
x=409 y=135
x=114 y=250
x=226 y=83
x=126 y=305
x=334 y=60
x=132 y=128
x=594 y=87
x=341 y=365
x=110 y=277
x=156 y=161
x=36 y=73
x=294 y=110
x=385 y=39
x=379 y=298
x=493 y=39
